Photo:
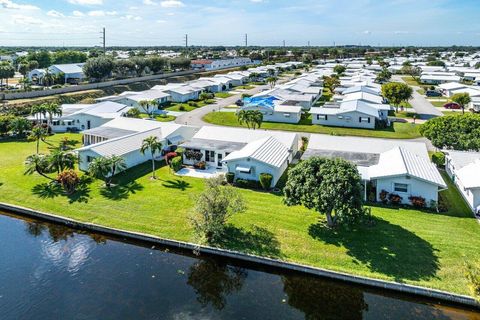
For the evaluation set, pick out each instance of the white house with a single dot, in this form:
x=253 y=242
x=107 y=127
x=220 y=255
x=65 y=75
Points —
x=399 y=167
x=128 y=146
x=438 y=79
x=276 y=112
x=351 y=114
x=72 y=73
x=133 y=98
x=246 y=153
x=447 y=88
x=464 y=169
x=79 y=117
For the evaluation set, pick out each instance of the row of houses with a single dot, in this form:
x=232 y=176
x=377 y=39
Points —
x=393 y=166
x=72 y=73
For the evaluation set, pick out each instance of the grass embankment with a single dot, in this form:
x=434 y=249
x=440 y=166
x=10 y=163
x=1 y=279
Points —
x=404 y=245
x=397 y=131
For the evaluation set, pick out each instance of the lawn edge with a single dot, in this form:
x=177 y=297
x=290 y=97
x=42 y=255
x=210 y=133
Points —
x=265 y=261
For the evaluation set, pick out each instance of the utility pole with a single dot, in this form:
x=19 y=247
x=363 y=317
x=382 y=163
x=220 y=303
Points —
x=246 y=40
x=308 y=44
x=284 y=43
x=186 y=41
x=104 y=47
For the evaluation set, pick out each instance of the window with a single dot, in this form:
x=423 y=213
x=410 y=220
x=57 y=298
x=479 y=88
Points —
x=322 y=117
x=286 y=115
x=400 y=187
x=90 y=159
x=364 y=119
x=340 y=117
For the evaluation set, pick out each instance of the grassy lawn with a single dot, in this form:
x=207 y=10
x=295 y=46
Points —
x=398 y=131
x=161 y=118
x=404 y=245
x=411 y=81
x=404 y=114
x=223 y=95
x=177 y=106
x=245 y=87
x=438 y=104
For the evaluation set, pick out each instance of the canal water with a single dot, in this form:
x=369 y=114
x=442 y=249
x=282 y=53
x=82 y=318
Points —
x=51 y=272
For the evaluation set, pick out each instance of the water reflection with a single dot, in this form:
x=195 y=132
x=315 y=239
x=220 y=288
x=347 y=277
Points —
x=213 y=281
x=69 y=274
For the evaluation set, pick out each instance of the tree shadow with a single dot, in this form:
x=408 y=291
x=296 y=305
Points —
x=53 y=190
x=177 y=184
x=121 y=192
x=385 y=248
x=259 y=241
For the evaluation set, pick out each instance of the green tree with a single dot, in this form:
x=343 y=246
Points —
x=329 y=186
x=272 y=81
x=331 y=83
x=153 y=145
x=37 y=163
x=251 y=118
x=458 y=132
x=133 y=113
x=339 y=69
x=60 y=160
x=396 y=93
x=148 y=106
x=106 y=167
x=39 y=110
x=213 y=207
x=52 y=109
x=38 y=134
x=99 y=68
x=384 y=75
x=463 y=99
x=19 y=125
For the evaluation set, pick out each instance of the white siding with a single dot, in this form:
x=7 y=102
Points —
x=350 y=120
x=415 y=188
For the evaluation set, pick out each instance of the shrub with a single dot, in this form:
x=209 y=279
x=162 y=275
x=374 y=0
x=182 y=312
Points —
x=439 y=159
x=230 y=176
x=417 y=201
x=442 y=203
x=246 y=95
x=169 y=156
x=266 y=180
x=383 y=196
x=247 y=184
x=193 y=155
x=192 y=103
x=181 y=108
x=180 y=151
x=472 y=273
x=176 y=164
x=69 y=180
x=394 y=199
x=304 y=146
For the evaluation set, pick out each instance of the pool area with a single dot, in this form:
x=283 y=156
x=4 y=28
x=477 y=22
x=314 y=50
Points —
x=260 y=101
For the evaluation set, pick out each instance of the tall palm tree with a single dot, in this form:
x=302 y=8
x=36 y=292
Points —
x=242 y=117
x=272 y=81
x=38 y=134
x=53 y=109
x=37 y=163
x=256 y=118
x=151 y=143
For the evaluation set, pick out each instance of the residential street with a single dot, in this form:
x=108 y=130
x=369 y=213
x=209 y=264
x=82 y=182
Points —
x=422 y=106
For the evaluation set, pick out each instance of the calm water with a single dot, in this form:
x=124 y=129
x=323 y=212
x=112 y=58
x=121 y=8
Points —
x=52 y=272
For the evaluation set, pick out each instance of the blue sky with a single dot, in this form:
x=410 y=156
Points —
x=224 y=22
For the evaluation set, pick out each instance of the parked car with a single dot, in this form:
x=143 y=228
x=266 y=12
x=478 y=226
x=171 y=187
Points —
x=433 y=93
x=452 y=105
x=239 y=102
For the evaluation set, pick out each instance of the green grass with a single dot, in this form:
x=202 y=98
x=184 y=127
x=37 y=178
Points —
x=161 y=118
x=397 y=131
x=177 y=106
x=411 y=81
x=438 y=104
x=404 y=245
x=223 y=95
x=245 y=87
x=404 y=114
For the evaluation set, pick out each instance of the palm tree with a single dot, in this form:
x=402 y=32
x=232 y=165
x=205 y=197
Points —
x=48 y=78
x=242 y=117
x=53 y=109
x=106 y=167
x=148 y=106
x=19 y=125
x=37 y=163
x=256 y=118
x=152 y=144
x=272 y=81
x=38 y=134
x=60 y=160
x=37 y=110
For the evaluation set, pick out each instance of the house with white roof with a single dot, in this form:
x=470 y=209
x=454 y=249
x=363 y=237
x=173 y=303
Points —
x=438 y=79
x=447 y=88
x=351 y=114
x=72 y=72
x=273 y=109
x=464 y=169
x=133 y=98
x=246 y=153
x=398 y=167
x=128 y=146
x=79 y=117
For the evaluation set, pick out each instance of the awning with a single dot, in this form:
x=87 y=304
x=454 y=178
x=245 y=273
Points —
x=244 y=169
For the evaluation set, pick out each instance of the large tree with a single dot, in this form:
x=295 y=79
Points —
x=52 y=109
x=19 y=125
x=329 y=186
x=339 y=69
x=463 y=99
x=148 y=106
x=213 y=207
x=153 y=145
x=458 y=132
x=38 y=134
x=396 y=93
x=99 y=68
x=251 y=118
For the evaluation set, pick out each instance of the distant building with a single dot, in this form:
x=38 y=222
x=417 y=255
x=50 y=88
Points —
x=207 y=64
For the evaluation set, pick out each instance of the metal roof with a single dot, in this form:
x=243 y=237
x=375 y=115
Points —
x=359 y=158
x=206 y=144
x=108 y=132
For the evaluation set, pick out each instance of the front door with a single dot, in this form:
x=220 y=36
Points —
x=88 y=124
x=219 y=160
x=209 y=156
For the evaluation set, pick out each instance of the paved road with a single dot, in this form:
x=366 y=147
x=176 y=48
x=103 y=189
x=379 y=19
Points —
x=422 y=106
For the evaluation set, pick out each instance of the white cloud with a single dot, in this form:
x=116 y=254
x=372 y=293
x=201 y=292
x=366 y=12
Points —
x=149 y=3
x=86 y=2
x=161 y=21
x=132 y=17
x=172 y=4
x=77 y=13
x=8 y=4
x=55 y=14
x=26 y=20
x=101 y=13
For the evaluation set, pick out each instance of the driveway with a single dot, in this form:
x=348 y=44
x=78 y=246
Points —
x=422 y=106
